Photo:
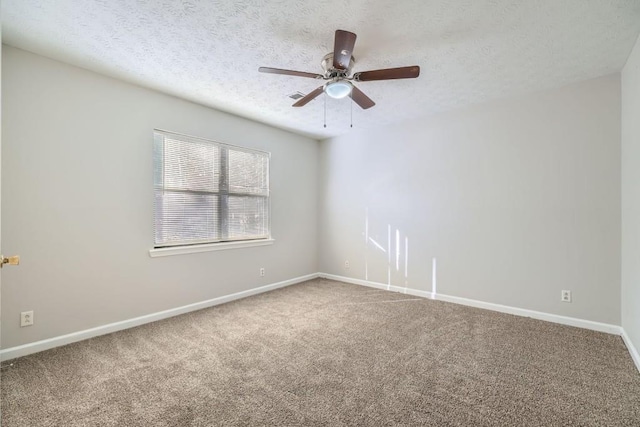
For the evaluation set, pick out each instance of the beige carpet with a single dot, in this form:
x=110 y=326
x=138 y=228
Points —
x=329 y=353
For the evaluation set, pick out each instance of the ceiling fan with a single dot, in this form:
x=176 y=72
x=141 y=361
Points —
x=337 y=66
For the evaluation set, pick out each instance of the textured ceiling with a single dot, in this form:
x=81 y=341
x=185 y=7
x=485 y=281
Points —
x=209 y=51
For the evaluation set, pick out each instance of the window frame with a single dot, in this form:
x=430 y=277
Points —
x=225 y=242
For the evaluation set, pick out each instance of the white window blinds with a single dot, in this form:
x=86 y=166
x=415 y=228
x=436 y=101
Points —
x=208 y=192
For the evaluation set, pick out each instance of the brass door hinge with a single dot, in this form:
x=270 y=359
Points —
x=12 y=260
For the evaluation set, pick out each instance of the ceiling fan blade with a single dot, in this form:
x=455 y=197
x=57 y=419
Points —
x=388 y=74
x=289 y=72
x=343 y=48
x=308 y=97
x=361 y=99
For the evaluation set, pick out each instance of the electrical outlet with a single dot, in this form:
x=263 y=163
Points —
x=26 y=318
x=347 y=265
x=566 y=296
x=261 y=271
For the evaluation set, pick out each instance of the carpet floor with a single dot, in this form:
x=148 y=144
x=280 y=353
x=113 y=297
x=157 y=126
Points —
x=331 y=354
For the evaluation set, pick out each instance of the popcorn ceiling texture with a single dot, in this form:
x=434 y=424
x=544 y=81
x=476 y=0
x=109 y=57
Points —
x=209 y=51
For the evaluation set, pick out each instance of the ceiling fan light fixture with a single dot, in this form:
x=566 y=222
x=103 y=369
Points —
x=338 y=89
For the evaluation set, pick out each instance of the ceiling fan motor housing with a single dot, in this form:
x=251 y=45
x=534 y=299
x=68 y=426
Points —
x=330 y=71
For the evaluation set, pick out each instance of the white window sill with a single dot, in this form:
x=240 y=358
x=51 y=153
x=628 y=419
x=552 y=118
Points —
x=208 y=247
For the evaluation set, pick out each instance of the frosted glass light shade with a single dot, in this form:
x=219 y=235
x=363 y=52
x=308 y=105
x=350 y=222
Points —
x=339 y=89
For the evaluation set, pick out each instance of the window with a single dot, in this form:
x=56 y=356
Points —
x=207 y=192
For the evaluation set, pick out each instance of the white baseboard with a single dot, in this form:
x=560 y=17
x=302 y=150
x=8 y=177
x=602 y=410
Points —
x=632 y=349
x=34 y=347
x=555 y=318
x=26 y=349
x=377 y=285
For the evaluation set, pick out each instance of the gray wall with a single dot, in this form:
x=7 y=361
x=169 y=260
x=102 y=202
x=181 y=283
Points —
x=631 y=197
x=517 y=200
x=77 y=201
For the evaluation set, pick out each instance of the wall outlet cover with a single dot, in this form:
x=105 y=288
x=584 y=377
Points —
x=26 y=318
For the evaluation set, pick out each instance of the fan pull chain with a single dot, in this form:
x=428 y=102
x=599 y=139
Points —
x=325 y=109
x=351 y=112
